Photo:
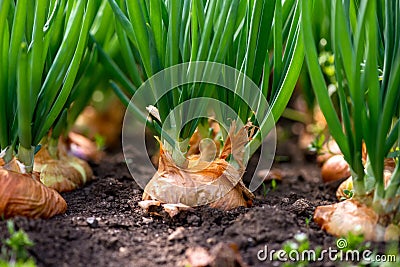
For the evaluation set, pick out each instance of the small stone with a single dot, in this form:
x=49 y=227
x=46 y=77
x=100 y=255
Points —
x=147 y=220
x=92 y=222
x=300 y=206
x=177 y=234
x=285 y=200
x=198 y=257
x=251 y=242
x=123 y=251
x=220 y=255
x=211 y=241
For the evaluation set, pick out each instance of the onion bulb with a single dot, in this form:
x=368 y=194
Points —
x=84 y=148
x=335 y=168
x=350 y=216
x=347 y=185
x=217 y=182
x=104 y=121
x=63 y=172
x=24 y=195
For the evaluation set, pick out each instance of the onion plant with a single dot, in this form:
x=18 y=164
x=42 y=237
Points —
x=92 y=75
x=56 y=161
x=42 y=45
x=321 y=33
x=365 y=41
x=257 y=38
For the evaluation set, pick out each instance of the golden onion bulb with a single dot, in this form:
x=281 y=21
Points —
x=64 y=173
x=350 y=216
x=335 y=168
x=201 y=182
x=25 y=195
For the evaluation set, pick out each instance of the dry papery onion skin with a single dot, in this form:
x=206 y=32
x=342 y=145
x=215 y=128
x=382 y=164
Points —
x=24 y=195
x=64 y=174
x=215 y=183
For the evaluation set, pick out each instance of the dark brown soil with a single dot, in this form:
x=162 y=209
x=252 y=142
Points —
x=123 y=235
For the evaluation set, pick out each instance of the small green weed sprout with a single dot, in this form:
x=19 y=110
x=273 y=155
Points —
x=316 y=145
x=308 y=220
x=298 y=245
x=14 y=249
x=267 y=189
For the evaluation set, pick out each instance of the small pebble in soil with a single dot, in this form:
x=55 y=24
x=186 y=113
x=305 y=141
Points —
x=147 y=220
x=211 y=241
x=285 y=200
x=92 y=222
x=177 y=234
x=197 y=256
x=251 y=242
x=123 y=251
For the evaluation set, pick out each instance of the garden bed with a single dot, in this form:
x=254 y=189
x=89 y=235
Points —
x=67 y=54
x=122 y=234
